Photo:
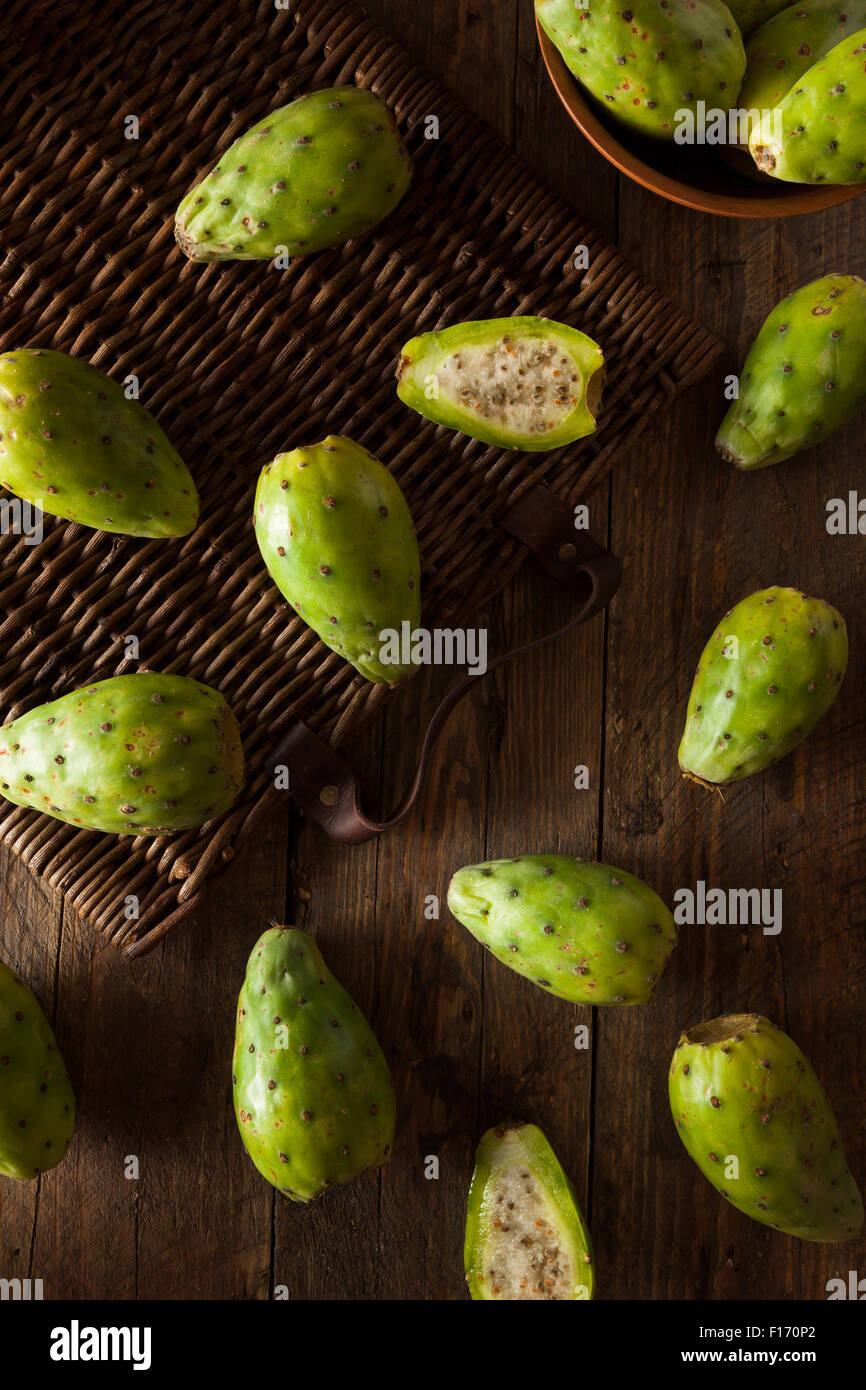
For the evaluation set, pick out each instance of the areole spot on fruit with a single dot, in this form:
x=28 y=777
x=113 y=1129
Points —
x=752 y=15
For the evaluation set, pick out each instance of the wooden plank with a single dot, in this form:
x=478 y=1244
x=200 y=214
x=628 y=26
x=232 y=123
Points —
x=399 y=1234
x=469 y=1044
x=551 y=715
x=701 y=536
x=149 y=1049
x=205 y=1214
x=30 y=914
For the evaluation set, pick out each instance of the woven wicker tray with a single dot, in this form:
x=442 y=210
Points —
x=241 y=361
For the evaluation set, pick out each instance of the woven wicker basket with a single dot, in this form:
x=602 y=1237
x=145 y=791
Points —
x=241 y=361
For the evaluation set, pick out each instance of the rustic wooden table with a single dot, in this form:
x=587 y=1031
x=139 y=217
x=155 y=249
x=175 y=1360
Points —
x=469 y=1043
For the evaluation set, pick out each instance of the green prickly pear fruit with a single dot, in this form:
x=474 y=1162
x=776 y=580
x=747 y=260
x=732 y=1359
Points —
x=770 y=671
x=754 y=14
x=521 y=383
x=817 y=132
x=37 y=1104
x=584 y=932
x=526 y=1237
x=804 y=376
x=754 y=1117
x=648 y=63
x=790 y=43
x=337 y=537
x=73 y=443
x=141 y=754
x=313 y=174
x=312 y=1091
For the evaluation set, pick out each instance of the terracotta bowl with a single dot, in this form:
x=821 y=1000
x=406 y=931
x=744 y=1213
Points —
x=700 y=178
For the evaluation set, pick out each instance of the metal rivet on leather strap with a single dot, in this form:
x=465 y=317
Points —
x=329 y=796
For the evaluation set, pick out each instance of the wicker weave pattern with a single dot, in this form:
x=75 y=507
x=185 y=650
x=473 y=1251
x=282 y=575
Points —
x=241 y=361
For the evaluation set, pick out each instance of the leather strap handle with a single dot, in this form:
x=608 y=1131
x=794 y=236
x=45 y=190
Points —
x=327 y=789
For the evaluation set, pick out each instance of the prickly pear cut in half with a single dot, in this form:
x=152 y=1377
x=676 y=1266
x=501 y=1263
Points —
x=37 y=1104
x=312 y=1091
x=520 y=383
x=768 y=674
x=308 y=176
x=757 y=1122
x=74 y=444
x=585 y=932
x=525 y=1233
x=140 y=754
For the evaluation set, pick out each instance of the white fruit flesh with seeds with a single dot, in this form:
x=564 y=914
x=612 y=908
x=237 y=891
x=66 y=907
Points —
x=524 y=385
x=524 y=1256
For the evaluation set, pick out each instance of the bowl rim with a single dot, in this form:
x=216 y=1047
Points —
x=791 y=204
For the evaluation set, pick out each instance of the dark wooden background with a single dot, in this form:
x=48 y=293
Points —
x=469 y=1043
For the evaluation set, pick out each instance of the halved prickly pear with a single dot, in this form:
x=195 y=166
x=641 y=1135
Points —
x=768 y=674
x=586 y=932
x=310 y=175
x=140 y=754
x=757 y=1122
x=312 y=1091
x=37 y=1104
x=526 y=1237
x=522 y=383
x=76 y=446
x=337 y=537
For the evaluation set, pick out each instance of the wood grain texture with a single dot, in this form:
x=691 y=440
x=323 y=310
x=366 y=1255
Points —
x=468 y=1042
x=704 y=537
